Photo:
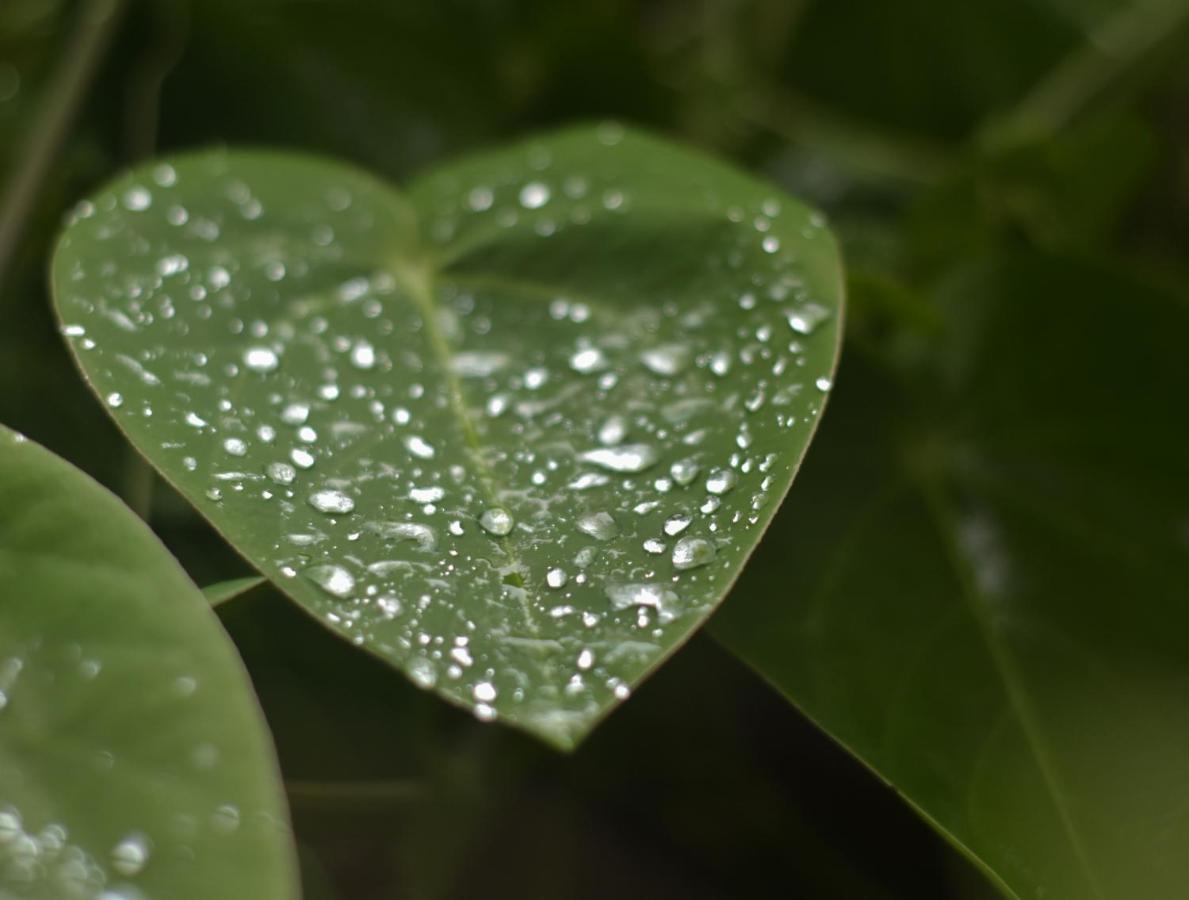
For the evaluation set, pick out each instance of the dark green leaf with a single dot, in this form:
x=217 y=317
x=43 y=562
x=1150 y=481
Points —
x=516 y=434
x=979 y=588
x=133 y=759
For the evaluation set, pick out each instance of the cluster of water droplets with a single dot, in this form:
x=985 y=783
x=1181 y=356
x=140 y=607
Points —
x=522 y=482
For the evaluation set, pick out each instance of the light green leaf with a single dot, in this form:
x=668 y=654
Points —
x=224 y=591
x=980 y=584
x=134 y=761
x=516 y=433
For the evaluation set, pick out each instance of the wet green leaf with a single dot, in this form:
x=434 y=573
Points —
x=979 y=587
x=515 y=432
x=134 y=761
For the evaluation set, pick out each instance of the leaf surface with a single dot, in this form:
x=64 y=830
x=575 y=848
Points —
x=515 y=432
x=134 y=761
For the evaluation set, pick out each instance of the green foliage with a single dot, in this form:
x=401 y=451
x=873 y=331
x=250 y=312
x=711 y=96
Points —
x=975 y=584
x=981 y=591
x=134 y=759
x=541 y=411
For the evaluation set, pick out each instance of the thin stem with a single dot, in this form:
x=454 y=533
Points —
x=96 y=24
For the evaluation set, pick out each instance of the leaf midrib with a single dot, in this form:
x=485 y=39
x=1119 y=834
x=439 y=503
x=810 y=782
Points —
x=938 y=507
x=418 y=282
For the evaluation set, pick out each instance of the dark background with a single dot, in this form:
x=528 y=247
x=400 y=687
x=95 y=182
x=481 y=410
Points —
x=936 y=135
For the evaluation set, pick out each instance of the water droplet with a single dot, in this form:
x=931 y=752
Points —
x=419 y=447
x=623 y=596
x=613 y=431
x=426 y=494
x=478 y=364
x=720 y=481
x=824 y=384
x=261 y=359
x=295 y=414
x=426 y=537
x=667 y=359
x=115 y=399
x=137 y=199
x=496 y=521
x=556 y=578
x=303 y=459
x=676 y=524
x=587 y=360
x=684 y=471
x=363 y=355
x=484 y=692
x=599 y=525
x=130 y=855
x=335 y=580
x=625 y=458
x=806 y=319
x=692 y=552
x=534 y=195
x=585 y=660
x=654 y=546
x=281 y=473
x=235 y=446
x=331 y=502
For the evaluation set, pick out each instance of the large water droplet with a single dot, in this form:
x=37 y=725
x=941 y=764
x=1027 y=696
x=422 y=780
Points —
x=720 y=481
x=806 y=319
x=677 y=523
x=641 y=593
x=625 y=458
x=587 y=360
x=667 y=359
x=692 y=552
x=261 y=359
x=331 y=501
x=598 y=525
x=335 y=580
x=419 y=447
x=496 y=521
x=130 y=855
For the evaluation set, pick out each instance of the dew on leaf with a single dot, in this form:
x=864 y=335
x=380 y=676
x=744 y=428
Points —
x=692 y=552
x=331 y=501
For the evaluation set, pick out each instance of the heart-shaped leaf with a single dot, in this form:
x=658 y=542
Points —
x=134 y=761
x=516 y=432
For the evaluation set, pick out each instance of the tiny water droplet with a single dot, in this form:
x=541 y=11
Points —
x=556 y=578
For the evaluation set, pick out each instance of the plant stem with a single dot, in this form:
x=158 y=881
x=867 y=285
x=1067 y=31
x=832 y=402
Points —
x=96 y=24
